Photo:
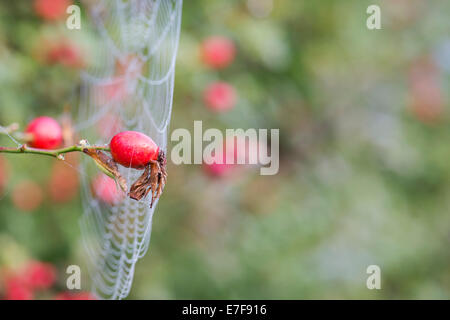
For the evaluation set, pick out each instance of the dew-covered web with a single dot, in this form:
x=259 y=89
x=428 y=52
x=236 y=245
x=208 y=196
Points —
x=129 y=88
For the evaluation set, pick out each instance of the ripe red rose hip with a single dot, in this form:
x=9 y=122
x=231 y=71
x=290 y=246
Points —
x=133 y=149
x=4 y=169
x=40 y=275
x=17 y=289
x=64 y=182
x=219 y=169
x=136 y=150
x=217 y=52
x=27 y=195
x=220 y=96
x=51 y=9
x=66 y=53
x=75 y=296
x=45 y=132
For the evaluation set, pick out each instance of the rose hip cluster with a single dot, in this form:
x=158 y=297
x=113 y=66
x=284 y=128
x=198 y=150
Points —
x=35 y=279
x=56 y=48
x=217 y=53
x=130 y=149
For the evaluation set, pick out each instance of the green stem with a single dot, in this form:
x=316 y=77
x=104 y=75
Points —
x=52 y=153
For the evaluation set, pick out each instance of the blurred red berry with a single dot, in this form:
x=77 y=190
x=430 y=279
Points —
x=242 y=150
x=217 y=52
x=133 y=149
x=64 y=181
x=427 y=102
x=4 y=168
x=46 y=133
x=66 y=53
x=51 y=9
x=27 y=195
x=220 y=96
x=218 y=169
x=233 y=155
x=106 y=190
x=39 y=275
x=17 y=289
x=223 y=167
x=75 y=296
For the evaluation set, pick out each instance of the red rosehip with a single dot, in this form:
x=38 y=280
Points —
x=66 y=53
x=27 y=195
x=64 y=181
x=4 y=168
x=217 y=52
x=218 y=169
x=75 y=296
x=220 y=96
x=106 y=190
x=133 y=149
x=39 y=275
x=51 y=9
x=234 y=156
x=426 y=97
x=17 y=289
x=222 y=169
x=46 y=133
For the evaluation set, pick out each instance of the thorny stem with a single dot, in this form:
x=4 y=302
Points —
x=52 y=153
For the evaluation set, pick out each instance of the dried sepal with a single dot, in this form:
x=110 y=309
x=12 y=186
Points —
x=152 y=180
x=139 y=189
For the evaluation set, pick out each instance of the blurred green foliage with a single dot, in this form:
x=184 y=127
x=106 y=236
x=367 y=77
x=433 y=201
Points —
x=364 y=177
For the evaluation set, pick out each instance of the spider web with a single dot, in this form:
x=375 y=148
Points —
x=130 y=88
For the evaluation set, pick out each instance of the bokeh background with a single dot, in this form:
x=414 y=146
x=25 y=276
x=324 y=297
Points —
x=364 y=144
